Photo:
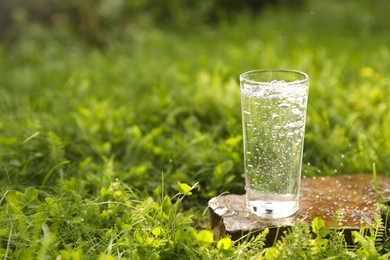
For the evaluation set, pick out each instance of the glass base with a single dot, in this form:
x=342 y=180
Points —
x=273 y=209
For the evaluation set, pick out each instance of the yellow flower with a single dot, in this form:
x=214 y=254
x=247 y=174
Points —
x=225 y=243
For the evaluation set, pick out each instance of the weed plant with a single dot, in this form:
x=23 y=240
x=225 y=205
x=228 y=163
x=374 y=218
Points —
x=86 y=133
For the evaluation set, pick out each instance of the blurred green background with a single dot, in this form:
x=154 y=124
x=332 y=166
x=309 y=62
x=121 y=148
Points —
x=92 y=19
x=137 y=89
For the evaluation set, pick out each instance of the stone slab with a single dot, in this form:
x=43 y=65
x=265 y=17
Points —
x=352 y=195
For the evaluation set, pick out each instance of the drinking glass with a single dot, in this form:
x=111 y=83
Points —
x=274 y=104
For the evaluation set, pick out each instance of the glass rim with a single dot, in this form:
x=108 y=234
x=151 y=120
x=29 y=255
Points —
x=295 y=82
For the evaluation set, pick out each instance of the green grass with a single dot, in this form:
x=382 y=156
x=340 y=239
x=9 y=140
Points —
x=86 y=134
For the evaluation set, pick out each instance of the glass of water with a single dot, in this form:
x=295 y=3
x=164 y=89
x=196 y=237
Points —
x=274 y=103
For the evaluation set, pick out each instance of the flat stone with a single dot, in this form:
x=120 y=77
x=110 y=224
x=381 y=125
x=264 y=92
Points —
x=351 y=195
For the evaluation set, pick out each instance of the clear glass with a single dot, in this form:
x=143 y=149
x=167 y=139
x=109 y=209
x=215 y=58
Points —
x=274 y=104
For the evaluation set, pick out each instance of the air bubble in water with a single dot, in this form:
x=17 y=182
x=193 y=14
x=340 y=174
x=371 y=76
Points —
x=296 y=111
x=294 y=125
x=278 y=82
x=284 y=105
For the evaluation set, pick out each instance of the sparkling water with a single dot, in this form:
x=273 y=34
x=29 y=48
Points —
x=274 y=117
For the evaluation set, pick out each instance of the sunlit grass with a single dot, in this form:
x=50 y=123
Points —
x=75 y=121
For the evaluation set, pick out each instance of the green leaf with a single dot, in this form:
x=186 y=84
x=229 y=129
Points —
x=166 y=205
x=271 y=253
x=184 y=188
x=31 y=193
x=319 y=245
x=319 y=228
x=316 y=224
x=139 y=239
x=324 y=231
